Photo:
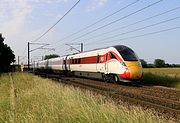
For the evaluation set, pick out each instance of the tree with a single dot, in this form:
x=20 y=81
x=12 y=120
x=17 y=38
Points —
x=159 y=63
x=51 y=56
x=143 y=63
x=6 y=56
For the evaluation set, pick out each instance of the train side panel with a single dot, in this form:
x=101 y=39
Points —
x=87 y=61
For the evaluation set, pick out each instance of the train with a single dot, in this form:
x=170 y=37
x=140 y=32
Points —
x=112 y=64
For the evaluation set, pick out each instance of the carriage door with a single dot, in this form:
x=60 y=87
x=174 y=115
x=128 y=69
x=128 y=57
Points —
x=68 y=64
x=63 y=65
x=97 y=64
x=106 y=63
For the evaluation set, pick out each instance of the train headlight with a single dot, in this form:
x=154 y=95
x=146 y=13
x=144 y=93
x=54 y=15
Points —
x=123 y=64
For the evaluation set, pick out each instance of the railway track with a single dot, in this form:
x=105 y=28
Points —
x=156 y=98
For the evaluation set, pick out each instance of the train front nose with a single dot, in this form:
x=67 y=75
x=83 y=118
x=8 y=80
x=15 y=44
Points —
x=135 y=69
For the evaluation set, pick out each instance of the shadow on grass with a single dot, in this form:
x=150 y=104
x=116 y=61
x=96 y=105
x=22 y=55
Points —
x=153 y=79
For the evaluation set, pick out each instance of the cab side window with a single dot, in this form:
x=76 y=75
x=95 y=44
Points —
x=112 y=56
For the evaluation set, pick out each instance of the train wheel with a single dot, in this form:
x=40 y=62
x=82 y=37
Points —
x=112 y=78
x=105 y=77
x=116 y=78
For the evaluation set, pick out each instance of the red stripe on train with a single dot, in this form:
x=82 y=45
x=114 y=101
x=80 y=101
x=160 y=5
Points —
x=95 y=59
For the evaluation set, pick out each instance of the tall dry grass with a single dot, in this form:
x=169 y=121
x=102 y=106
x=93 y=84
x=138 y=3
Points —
x=5 y=104
x=40 y=100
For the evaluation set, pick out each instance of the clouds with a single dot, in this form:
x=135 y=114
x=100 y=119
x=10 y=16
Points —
x=13 y=15
x=95 y=4
x=25 y=20
x=16 y=13
x=13 y=18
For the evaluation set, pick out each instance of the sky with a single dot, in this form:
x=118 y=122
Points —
x=151 y=31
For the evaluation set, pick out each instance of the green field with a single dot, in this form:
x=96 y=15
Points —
x=169 y=77
x=25 y=98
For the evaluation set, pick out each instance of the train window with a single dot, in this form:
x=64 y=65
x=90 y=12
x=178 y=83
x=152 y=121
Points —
x=72 y=61
x=75 y=61
x=112 y=56
x=79 y=61
x=127 y=53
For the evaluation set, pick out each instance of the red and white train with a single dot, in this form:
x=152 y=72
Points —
x=116 y=63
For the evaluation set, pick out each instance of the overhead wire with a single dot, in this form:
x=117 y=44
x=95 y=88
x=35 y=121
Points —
x=137 y=22
x=100 y=20
x=141 y=28
x=148 y=6
x=56 y=22
x=137 y=36
x=146 y=34
x=53 y=25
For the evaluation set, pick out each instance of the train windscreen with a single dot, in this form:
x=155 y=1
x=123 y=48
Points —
x=127 y=53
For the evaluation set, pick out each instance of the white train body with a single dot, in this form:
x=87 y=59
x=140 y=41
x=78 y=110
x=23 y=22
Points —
x=113 y=63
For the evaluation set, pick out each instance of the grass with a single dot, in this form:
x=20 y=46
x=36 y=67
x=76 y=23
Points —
x=169 y=77
x=38 y=100
x=5 y=106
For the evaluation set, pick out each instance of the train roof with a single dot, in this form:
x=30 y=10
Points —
x=115 y=46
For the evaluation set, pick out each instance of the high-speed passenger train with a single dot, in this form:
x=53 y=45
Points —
x=116 y=63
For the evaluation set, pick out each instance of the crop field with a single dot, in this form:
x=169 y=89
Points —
x=28 y=98
x=173 y=72
x=162 y=76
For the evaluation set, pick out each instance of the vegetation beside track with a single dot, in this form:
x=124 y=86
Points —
x=43 y=100
x=169 y=77
x=5 y=103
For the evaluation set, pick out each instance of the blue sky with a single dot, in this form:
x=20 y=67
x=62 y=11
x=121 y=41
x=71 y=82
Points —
x=25 y=20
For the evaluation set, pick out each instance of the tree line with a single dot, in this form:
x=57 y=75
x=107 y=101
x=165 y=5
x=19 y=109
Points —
x=158 y=63
x=6 y=56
